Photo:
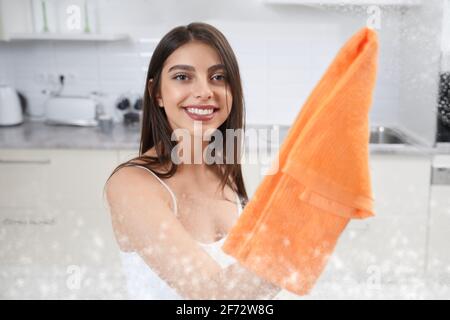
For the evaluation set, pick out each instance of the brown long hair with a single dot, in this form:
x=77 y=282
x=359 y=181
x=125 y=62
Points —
x=156 y=131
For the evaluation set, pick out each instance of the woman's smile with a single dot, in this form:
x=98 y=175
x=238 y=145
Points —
x=201 y=112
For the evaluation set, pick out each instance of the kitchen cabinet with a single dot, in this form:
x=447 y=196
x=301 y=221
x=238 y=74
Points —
x=16 y=24
x=55 y=238
x=66 y=37
x=15 y=17
x=400 y=184
x=438 y=262
x=78 y=177
x=66 y=185
x=53 y=218
x=391 y=246
x=24 y=175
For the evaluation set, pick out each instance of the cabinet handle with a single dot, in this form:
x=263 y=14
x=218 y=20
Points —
x=24 y=161
x=440 y=176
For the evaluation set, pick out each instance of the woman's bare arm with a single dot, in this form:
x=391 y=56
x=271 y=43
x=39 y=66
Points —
x=143 y=221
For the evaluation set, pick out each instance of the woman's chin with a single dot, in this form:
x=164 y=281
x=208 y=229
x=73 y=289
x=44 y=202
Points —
x=205 y=134
x=199 y=128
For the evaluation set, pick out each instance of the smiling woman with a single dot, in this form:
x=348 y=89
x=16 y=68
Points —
x=197 y=91
x=171 y=219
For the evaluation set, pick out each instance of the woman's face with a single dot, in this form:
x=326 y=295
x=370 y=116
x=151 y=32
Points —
x=194 y=88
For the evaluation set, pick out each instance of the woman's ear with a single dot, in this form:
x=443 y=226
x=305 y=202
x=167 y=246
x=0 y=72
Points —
x=158 y=98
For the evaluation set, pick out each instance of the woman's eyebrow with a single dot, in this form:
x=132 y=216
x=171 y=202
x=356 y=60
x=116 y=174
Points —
x=191 y=68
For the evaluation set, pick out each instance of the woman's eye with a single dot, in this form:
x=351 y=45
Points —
x=183 y=77
x=220 y=76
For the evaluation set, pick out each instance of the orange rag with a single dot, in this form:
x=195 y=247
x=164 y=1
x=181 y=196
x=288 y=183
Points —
x=290 y=227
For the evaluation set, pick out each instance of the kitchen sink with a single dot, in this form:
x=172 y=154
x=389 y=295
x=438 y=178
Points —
x=378 y=135
x=386 y=135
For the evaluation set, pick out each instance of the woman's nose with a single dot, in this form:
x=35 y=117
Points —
x=202 y=89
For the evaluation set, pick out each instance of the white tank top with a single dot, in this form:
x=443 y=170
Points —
x=144 y=283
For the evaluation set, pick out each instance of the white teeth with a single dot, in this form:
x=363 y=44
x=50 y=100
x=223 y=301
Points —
x=200 y=111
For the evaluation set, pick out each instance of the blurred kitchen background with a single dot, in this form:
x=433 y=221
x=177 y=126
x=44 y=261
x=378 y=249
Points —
x=72 y=76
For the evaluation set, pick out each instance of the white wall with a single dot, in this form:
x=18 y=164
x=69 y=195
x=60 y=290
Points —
x=420 y=67
x=5 y=74
x=282 y=51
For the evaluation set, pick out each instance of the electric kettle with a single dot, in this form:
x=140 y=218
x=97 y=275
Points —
x=11 y=112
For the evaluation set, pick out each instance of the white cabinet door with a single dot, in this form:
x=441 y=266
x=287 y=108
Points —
x=29 y=236
x=58 y=254
x=438 y=264
x=401 y=184
x=77 y=181
x=57 y=238
x=42 y=282
x=52 y=206
x=62 y=179
x=78 y=177
x=24 y=176
x=392 y=245
x=53 y=221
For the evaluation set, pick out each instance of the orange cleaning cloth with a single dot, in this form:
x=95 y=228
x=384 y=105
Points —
x=290 y=227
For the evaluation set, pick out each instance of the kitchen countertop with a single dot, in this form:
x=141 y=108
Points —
x=37 y=135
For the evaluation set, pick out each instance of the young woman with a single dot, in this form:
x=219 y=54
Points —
x=170 y=218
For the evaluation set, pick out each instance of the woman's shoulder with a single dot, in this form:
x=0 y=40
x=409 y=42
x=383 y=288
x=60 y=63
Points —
x=134 y=180
x=131 y=189
x=130 y=171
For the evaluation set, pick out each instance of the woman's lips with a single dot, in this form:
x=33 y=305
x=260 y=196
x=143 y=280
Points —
x=200 y=117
